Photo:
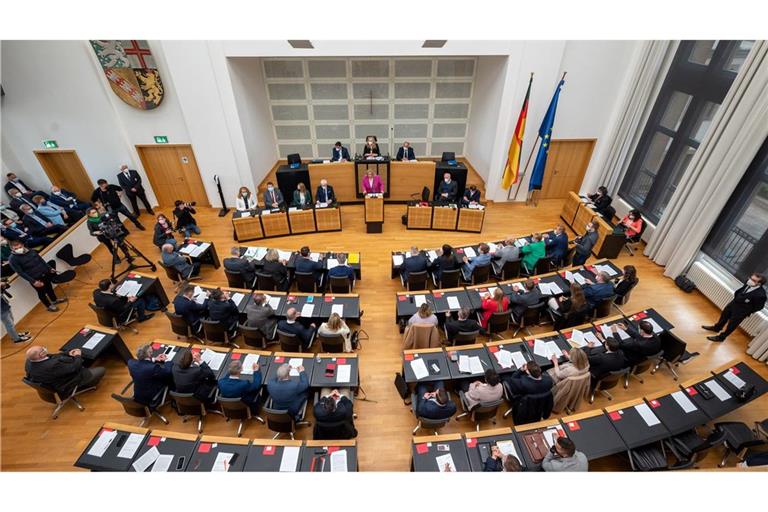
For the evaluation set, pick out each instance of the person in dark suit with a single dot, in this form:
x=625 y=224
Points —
x=18 y=200
x=325 y=193
x=105 y=297
x=130 y=180
x=232 y=386
x=334 y=412
x=261 y=316
x=184 y=305
x=222 y=309
x=15 y=183
x=405 y=152
x=342 y=269
x=605 y=359
x=528 y=380
x=277 y=269
x=597 y=292
x=414 y=262
x=584 y=244
x=13 y=230
x=246 y=267
x=446 y=260
x=600 y=200
x=33 y=268
x=291 y=326
x=641 y=344
x=39 y=224
x=471 y=196
x=62 y=372
x=109 y=196
x=463 y=324
x=67 y=199
x=499 y=462
x=150 y=375
x=173 y=258
x=302 y=197
x=339 y=153
x=521 y=300
x=273 y=198
x=191 y=375
x=305 y=264
x=747 y=300
x=557 y=245
x=288 y=394
x=434 y=404
x=447 y=190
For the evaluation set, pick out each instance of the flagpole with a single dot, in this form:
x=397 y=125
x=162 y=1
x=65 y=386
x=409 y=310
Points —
x=525 y=169
x=520 y=178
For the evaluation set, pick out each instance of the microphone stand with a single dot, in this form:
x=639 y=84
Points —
x=224 y=210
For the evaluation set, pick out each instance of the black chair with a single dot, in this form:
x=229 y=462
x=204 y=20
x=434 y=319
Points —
x=236 y=409
x=179 y=326
x=340 y=284
x=174 y=275
x=528 y=408
x=689 y=447
x=235 y=279
x=265 y=282
x=632 y=242
x=109 y=319
x=139 y=410
x=603 y=309
x=334 y=429
x=189 y=406
x=497 y=324
x=416 y=281
x=289 y=342
x=279 y=421
x=214 y=331
x=253 y=337
x=480 y=412
x=620 y=300
x=642 y=367
x=543 y=266
x=607 y=382
x=531 y=317
x=449 y=279
x=466 y=338
x=673 y=351
x=331 y=343
x=481 y=274
x=510 y=270
x=48 y=394
x=66 y=254
x=433 y=425
x=737 y=439
x=305 y=282
x=568 y=259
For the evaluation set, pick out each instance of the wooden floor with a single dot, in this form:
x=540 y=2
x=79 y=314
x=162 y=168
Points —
x=384 y=425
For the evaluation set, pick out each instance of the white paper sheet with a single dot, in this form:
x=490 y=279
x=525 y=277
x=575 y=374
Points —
x=221 y=464
x=555 y=289
x=314 y=256
x=245 y=214
x=213 y=358
x=284 y=255
x=418 y=300
x=307 y=310
x=94 y=340
x=540 y=348
x=577 y=337
x=248 y=363
x=443 y=460
x=554 y=350
x=162 y=463
x=250 y=252
x=453 y=302
x=683 y=401
x=274 y=302
x=734 y=379
x=332 y=263
x=718 y=390
x=339 y=461
x=475 y=366
x=265 y=212
x=419 y=368
x=507 y=448
x=504 y=358
x=544 y=288
x=464 y=364
x=397 y=259
x=579 y=278
x=130 y=446
x=294 y=363
x=591 y=338
x=236 y=298
x=520 y=242
x=493 y=247
x=129 y=288
x=607 y=269
x=469 y=252
x=261 y=252
x=142 y=463
x=102 y=443
x=432 y=255
x=550 y=436
x=622 y=333
x=656 y=327
x=343 y=372
x=290 y=459
x=338 y=309
x=200 y=295
x=606 y=330
x=187 y=249
x=647 y=415
x=518 y=359
x=569 y=276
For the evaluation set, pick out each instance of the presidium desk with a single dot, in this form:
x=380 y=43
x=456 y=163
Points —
x=256 y=224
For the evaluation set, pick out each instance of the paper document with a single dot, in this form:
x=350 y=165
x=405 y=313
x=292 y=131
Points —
x=492 y=290
x=464 y=364
x=142 y=463
x=339 y=461
x=683 y=401
x=656 y=327
x=546 y=288
x=343 y=372
x=94 y=340
x=577 y=337
x=591 y=338
x=338 y=309
x=540 y=349
x=492 y=246
x=314 y=256
x=200 y=295
x=504 y=358
x=397 y=259
x=432 y=255
x=250 y=252
x=245 y=214
x=290 y=458
x=248 y=363
x=607 y=269
x=221 y=464
x=261 y=252
x=187 y=249
x=213 y=358
x=518 y=359
x=419 y=368
x=102 y=443
x=520 y=242
x=130 y=446
x=203 y=247
x=293 y=209
x=554 y=350
x=307 y=310
x=569 y=276
x=129 y=288
x=550 y=436
x=236 y=298
x=647 y=415
x=162 y=463
x=284 y=255
x=718 y=390
x=554 y=289
x=475 y=366
x=734 y=379
x=453 y=303
x=469 y=252
x=274 y=302
x=580 y=279
x=507 y=448
x=445 y=463
x=606 y=330
x=294 y=363
x=418 y=300
x=332 y=263
x=622 y=333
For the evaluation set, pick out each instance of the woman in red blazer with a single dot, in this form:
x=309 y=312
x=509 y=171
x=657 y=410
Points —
x=372 y=183
x=496 y=304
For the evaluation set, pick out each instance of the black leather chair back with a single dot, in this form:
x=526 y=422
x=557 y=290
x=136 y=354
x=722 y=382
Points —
x=105 y=317
x=331 y=343
x=265 y=282
x=417 y=281
x=187 y=404
x=450 y=278
x=179 y=326
x=481 y=274
x=510 y=270
x=66 y=254
x=532 y=408
x=234 y=408
x=132 y=407
x=499 y=322
x=279 y=420
x=235 y=279
x=468 y=338
x=604 y=308
x=214 y=331
x=340 y=284
x=305 y=282
x=252 y=336
x=289 y=342
x=45 y=393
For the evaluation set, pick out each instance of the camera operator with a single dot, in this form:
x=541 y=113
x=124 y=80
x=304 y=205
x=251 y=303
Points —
x=109 y=232
x=7 y=315
x=31 y=267
x=109 y=196
x=163 y=232
x=184 y=219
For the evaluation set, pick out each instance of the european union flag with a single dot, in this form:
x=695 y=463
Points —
x=545 y=132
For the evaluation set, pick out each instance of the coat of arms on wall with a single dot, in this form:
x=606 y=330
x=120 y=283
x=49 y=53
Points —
x=131 y=71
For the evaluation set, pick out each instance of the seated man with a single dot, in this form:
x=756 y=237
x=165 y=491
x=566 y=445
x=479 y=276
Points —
x=61 y=372
x=471 y=196
x=305 y=264
x=528 y=380
x=413 y=262
x=39 y=224
x=18 y=199
x=605 y=359
x=286 y=393
x=641 y=344
x=597 y=292
x=557 y=245
x=447 y=190
x=174 y=259
x=342 y=269
x=261 y=316
x=291 y=326
x=222 y=309
x=106 y=298
x=15 y=231
x=339 y=153
x=232 y=386
x=499 y=462
x=564 y=457
x=15 y=183
x=532 y=253
x=191 y=375
x=334 y=411
x=185 y=306
x=246 y=267
x=435 y=404
x=150 y=375
x=325 y=194
x=484 y=258
x=273 y=198
x=405 y=152
x=463 y=324
x=67 y=199
x=57 y=214
x=508 y=252
x=584 y=244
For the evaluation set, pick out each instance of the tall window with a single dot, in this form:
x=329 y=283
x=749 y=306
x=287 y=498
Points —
x=739 y=240
x=698 y=80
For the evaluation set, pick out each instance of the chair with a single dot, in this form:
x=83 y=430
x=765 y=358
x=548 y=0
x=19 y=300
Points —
x=620 y=300
x=188 y=405
x=279 y=421
x=344 y=429
x=235 y=279
x=109 y=319
x=66 y=254
x=642 y=367
x=289 y=342
x=265 y=282
x=139 y=410
x=531 y=317
x=603 y=309
x=498 y=323
x=433 y=425
x=305 y=282
x=528 y=408
x=331 y=343
x=633 y=241
x=48 y=394
x=673 y=350
x=480 y=412
x=214 y=331
x=416 y=281
x=253 y=337
x=543 y=266
x=449 y=279
x=179 y=326
x=340 y=284
x=510 y=270
x=465 y=338
x=236 y=409
x=689 y=447
x=481 y=274
x=568 y=258
x=174 y=275
x=737 y=438
x=607 y=382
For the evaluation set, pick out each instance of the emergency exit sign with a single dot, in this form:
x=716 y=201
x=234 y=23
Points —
x=161 y=139
x=50 y=144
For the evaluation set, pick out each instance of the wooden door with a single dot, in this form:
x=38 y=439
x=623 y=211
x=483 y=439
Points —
x=172 y=170
x=65 y=170
x=567 y=162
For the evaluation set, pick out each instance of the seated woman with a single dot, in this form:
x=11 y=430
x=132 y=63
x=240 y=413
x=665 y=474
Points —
x=372 y=183
x=633 y=223
x=335 y=325
x=627 y=281
x=532 y=253
x=496 y=304
x=571 y=380
x=600 y=200
x=276 y=268
x=163 y=232
x=423 y=316
x=301 y=196
x=577 y=364
x=446 y=260
x=371 y=148
x=245 y=200
x=570 y=310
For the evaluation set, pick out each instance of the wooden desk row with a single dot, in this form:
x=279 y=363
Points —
x=118 y=447
x=577 y=214
x=618 y=428
x=252 y=225
x=446 y=218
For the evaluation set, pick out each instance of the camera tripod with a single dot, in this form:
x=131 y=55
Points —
x=127 y=248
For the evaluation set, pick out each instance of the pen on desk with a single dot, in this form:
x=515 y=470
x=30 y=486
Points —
x=483 y=363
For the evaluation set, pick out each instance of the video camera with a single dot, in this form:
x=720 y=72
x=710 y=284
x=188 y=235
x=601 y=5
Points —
x=111 y=227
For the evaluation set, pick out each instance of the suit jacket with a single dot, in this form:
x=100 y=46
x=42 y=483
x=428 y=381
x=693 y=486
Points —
x=323 y=196
x=342 y=271
x=240 y=388
x=745 y=303
x=454 y=327
x=290 y=394
x=190 y=310
x=470 y=197
x=278 y=272
x=278 y=198
x=306 y=265
x=338 y=154
x=401 y=154
x=520 y=383
x=225 y=312
x=557 y=247
x=430 y=409
x=67 y=199
x=149 y=378
x=303 y=333
x=601 y=203
x=637 y=347
x=20 y=232
x=261 y=317
x=602 y=362
x=196 y=379
x=343 y=415
x=444 y=263
x=9 y=185
x=33 y=225
x=376 y=188
x=133 y=180
x=596 y=293
x=519 y=302
x=297 y=198
x=179 y=262
x=246 y=268
x=111 y=302
x=372 y=149
x=16 y=203
x=416 y=263
x=585 y=244
x=60 y=371
x=451 y=189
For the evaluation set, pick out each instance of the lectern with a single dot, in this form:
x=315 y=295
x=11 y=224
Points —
x=374 y=212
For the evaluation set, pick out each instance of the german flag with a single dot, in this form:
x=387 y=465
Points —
x=512 y=168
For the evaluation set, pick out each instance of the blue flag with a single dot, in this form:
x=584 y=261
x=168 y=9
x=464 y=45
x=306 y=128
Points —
x=545 y=132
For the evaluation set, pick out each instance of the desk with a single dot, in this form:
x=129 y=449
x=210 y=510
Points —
x=207 y=257
x=299 y=359
x=440 y=300
x=207 y=351
x=288 y=180
x=340 y=175
x=208 y=450
x=584 y=215
x=419 y=217
x=653 y=316
x=113 y=458
x=181 y=446
x=668 y=406
x=353 y=258
x=321 y=379
x=241 y=354
x=548 y=428
x=405 y=306
x=374 y=213
x=350 y=303
x=715 y=406
x=316 y=455
x=476 y=350
x=517 y=345
x=458 y=174
x=171 y=349
x=732 y=375
x=589 y=271
x=609 y=243
x=633 y=429
x=431 y=356
x=328 y=219
x=353 y=261
x=444 y=217
x=426 y=450
x=111 y=342
x=240 y=296
x=267 y=454
x=313 y=303
x=593 y=434
x=552 y=336
x=379 y=167
x=409 y=178
x=302 y=221
x=609 y=322
x=149 y=284
x=247 y=225
x=552 y=278
x=274 y=223
x=479 y=445
x=571 y=205
x=588 y=330
x=477 y=292
x=471 y=219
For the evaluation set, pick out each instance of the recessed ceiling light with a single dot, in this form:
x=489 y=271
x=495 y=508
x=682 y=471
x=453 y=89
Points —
x=434 y=43
x=304 y=44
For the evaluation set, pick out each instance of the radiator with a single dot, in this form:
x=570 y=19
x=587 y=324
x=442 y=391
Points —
x=719 y=290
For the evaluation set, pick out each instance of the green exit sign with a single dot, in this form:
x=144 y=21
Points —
x=50 y=144
x=161 y=139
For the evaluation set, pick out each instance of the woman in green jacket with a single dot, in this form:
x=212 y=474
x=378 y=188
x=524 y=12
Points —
x=532 y=253
x=301 y=196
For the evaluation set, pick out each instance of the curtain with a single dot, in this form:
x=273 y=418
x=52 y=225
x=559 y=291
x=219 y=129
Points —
x=737 y=132
x=642 y=86
x=758 y=347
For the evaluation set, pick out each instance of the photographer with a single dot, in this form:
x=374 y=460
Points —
x=109 y=232
x=184 y=219
x=109 y=196
x=163 y=232
x=31 y=267
x=7 y=315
